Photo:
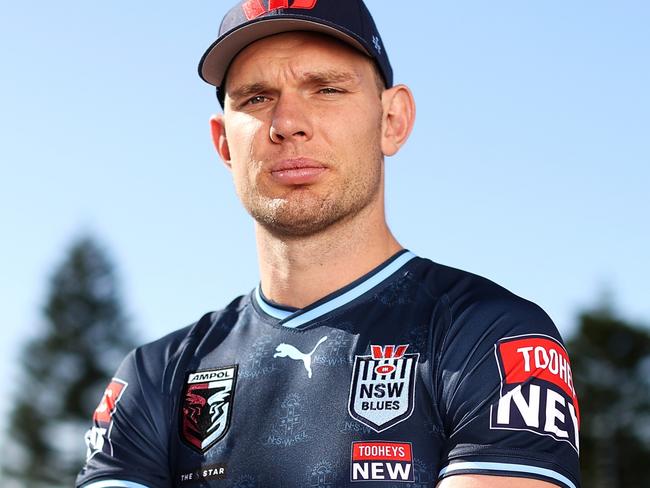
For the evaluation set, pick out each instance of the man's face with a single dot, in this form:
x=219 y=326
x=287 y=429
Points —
x=302 y=119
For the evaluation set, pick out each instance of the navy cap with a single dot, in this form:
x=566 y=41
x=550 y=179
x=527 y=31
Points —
x=251 y=20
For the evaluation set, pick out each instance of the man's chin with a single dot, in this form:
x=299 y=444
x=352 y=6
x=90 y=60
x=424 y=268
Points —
x=296 y=221
x=303 y=215
x=294 y=228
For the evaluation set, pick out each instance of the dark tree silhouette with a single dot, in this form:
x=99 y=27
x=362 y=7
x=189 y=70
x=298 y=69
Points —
x=611 y=367
x=65 y=369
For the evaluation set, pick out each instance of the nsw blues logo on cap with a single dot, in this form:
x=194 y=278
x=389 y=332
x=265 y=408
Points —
x=251 y=20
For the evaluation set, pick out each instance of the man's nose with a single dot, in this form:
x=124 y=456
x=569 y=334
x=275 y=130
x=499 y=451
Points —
x=290 y=120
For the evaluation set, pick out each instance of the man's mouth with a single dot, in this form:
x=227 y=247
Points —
x=297 y=171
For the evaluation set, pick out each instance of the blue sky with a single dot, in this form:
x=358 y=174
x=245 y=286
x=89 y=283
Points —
x=529 y=163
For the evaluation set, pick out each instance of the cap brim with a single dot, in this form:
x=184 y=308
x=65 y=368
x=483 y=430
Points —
x=217 y=59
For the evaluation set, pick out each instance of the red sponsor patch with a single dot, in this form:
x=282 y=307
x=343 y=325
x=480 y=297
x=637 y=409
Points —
x=536 y=357
x=106 y=407
x=382 y=461
x=537 y=393
x=385 y=451
x=541 y=357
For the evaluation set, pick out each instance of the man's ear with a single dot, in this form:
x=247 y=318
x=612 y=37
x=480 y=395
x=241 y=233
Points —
x=218 y=131
x=398 y=118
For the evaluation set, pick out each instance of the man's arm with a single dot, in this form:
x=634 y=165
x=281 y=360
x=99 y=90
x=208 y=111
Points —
x=507 y=411
x=481 y=481
x=126 y=443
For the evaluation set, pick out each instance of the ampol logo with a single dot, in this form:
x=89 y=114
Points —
x=207 y=407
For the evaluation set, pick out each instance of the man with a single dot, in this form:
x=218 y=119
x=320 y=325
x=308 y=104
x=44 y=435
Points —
x=353 y=361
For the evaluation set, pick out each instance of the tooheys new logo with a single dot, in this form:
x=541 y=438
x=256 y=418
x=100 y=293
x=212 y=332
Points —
x=537 y=392
x=381 y=461
x=382 y=390
x=255 y=8
x=98 y=438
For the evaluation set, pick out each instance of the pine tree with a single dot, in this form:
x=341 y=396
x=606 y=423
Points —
x=611 y=370
x=65 y=370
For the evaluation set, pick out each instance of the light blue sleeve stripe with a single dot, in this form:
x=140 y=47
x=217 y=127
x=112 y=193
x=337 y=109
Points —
x=268 y=309
x=517 y=468
x=114 y=484
x=351 y=294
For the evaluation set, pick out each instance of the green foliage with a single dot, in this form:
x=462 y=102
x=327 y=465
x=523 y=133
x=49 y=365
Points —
x=611 y=367
x=65 y=370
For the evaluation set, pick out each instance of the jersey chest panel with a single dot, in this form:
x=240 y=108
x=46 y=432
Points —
x=413 y=373
x=329 y=406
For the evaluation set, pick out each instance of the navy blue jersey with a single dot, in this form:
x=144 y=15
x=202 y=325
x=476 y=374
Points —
x=412 y=373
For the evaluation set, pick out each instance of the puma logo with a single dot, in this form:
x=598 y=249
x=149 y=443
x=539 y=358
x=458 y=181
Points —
x=287 y=350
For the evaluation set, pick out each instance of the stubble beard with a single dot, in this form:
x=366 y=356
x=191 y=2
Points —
x=304 y=212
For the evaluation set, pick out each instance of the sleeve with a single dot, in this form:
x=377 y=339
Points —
x=506 y=394
x=127 y=443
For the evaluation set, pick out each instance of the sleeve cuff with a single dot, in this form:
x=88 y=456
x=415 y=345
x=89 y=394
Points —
x=505 y=469
x=114 y=484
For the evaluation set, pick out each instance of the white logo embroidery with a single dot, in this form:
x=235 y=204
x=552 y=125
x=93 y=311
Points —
x=382 y=389
x=375 y=41
x=94 y=441
x=287 y=350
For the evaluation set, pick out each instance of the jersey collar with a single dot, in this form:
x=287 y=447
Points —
x=295 y=318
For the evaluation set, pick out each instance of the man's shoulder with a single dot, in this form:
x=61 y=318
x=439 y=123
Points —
x=195 y=337
x=469 y=296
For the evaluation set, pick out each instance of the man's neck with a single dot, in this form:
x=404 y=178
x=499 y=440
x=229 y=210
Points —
x=299 y=271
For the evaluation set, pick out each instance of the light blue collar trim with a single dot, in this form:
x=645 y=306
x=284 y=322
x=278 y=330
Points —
x=301 y=318
x=269 y=309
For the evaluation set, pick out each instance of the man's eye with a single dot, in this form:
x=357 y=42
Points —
x=257 y=99
x=329 y=90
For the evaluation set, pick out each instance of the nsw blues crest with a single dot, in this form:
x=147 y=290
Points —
x=382 y=389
